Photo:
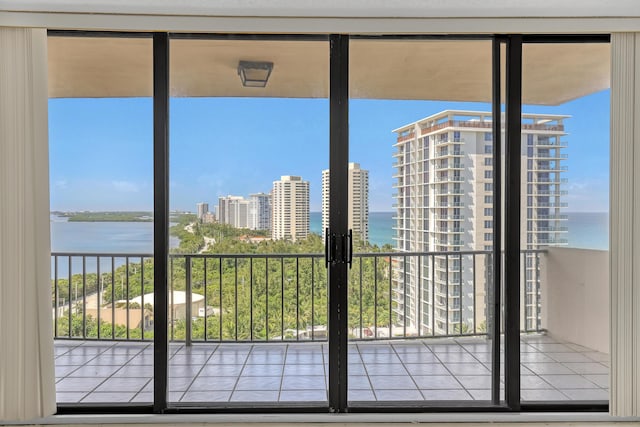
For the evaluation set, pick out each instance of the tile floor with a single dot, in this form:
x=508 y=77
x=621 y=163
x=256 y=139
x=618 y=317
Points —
x=429 y=369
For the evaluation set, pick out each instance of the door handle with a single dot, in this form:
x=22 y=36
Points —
x=329 y=247
x=326 y=247
x=349 y=238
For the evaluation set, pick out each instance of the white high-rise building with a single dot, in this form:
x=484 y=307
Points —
x=358 y=201
x=233 y=210
x=290 y=208
x=444 y=203
x=202 y=210
x=260 y=211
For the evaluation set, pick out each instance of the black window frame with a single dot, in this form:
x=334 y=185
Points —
x=505 y=47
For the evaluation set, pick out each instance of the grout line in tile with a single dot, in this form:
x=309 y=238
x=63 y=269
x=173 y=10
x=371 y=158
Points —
x=364 y=365
x=451 y=373
x=284 y=364
x=244 y=365
x=408 y=373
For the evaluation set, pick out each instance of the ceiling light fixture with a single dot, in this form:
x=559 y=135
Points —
x=254 y=73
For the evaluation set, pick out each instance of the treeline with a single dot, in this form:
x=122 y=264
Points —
x=108 y=216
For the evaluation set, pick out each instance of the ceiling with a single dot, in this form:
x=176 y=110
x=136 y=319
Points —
x=446 y=70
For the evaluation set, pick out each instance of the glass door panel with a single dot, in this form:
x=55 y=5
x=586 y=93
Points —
x=248 y=285
x=565 y=223
x=100 y=157
x=421 y=210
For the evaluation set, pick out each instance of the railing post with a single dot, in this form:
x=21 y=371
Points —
x=98 y=291
x=419 y=304
x=537 y=287
x=460 y=311
x=70 y=279
x=55 y=297
x=187 y=270
x=84 y=297
x=204 y=285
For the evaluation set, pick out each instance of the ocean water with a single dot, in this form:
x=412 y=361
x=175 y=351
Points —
x=99 y=237
x=380 y=226
x=585 y=230
x=103 y=237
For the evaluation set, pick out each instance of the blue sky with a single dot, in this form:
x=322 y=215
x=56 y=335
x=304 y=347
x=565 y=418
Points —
x=101 y=149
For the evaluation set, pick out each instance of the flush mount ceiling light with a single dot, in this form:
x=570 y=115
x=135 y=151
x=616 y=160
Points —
x=254 y=73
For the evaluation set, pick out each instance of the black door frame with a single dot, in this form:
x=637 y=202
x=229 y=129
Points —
x=339 y=151
x=338 y=220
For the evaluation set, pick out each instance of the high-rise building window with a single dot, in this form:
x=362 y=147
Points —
x=488 y=161
x=488 y=149
x=488 y=224
x=488 y=199
x=488 y=211
x=488 y=186
x=488 y=174
x=488 y=136
x=488 y=236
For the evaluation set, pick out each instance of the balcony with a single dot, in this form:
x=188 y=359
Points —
x=551 y=143
x=449 y=165
x=549 y=229
x=447 y=179
x=408 y=137
x=450 y=217
x=449 y=243
x=550 y=181
x=450 y=192
x=553 y=193
x=450 y=152
x=560 y=217
x=449 y=204
x=448 y=141
x=280 y=355
x=548 y=156
x=549 y=168
x=538 y=204
x=551 y=241
x=450 y=230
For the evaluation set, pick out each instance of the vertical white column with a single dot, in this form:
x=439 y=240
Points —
x=625 y=225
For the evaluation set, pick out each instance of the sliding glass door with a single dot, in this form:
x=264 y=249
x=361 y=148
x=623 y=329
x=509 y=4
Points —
x=248 y=319
x=344 y=223
x=420 y=186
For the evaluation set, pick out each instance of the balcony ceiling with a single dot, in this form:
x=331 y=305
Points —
x=380 y=69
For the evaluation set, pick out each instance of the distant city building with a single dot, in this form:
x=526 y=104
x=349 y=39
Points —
x=234 y=211
x=290 y=208
x=209 y=218
x=260 y=211
x=358 y=201
x=202 y=210
x=444 y=203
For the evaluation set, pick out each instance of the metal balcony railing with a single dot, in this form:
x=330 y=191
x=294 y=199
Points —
x=271 y=297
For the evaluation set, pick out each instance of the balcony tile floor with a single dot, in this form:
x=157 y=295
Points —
x=428 y=369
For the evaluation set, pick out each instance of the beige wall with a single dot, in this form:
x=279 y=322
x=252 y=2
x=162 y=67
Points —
x=575 y=296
